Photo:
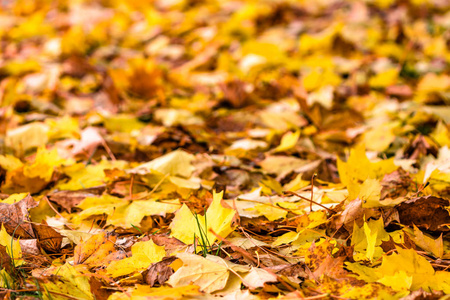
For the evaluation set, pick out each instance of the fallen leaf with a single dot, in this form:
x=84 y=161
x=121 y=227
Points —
x=143 y=254
x=210 y=274
x=27 y=136
x=159 y=272
x=68 y=281
x=15 y=217
x=257 y=277
x=435 y=246
x=94 y=250
x=141 y=292
x=70 y=199
x=13 y=248
x=428 y=212
x=174 y=163
x=48 y=238
x=288 y=141
x=217 y=221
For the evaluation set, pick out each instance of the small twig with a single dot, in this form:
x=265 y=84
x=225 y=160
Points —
x=108 y=150
x=310 y=200
x=131 y=186
x=54 y=209
x=158 y=184
x=312 y=191
x=234 y=247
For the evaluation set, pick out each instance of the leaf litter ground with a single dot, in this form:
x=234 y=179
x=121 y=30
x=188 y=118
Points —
x=235 y=149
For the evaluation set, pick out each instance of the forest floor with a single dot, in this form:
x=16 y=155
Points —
x=191 y=149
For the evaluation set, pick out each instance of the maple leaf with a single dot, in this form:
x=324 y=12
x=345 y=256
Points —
x=69 y=281
x=176 y=163
x=13 y=248
x=15 y=217
x=122 y=117
x=160 y=293
x=216 y=222
x=143 y=254
x=94 y=250
x=210 y=273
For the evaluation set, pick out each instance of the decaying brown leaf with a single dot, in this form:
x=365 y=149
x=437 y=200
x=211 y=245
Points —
x=15 y=217
x=48 y=238
x=428 y=212
x=159 y=273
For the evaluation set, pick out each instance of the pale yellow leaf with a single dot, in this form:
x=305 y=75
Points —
x=185 y=226
x=209 y=276
x=68 y=281
x=12 y=247
x=369 y=193
x=288 y=141
x=176 y=163
x=143 y=254
x=257 y=277
x=27 y=136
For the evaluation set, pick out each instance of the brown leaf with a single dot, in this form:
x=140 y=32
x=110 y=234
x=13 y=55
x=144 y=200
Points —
x=294 y=272
x=236 y=93
x=429 y=213
x=77 y=66
x=70 y=199
x=332 y=267
x=16 y=219
x=420 y=146
x=98 y=289
x=5 y=260
x=31 y=253
x=48 y=238
x=422 y=295
x=400 y=91
x=395 y=184
x=170 y=244
x=353 y=212
x=159 y=272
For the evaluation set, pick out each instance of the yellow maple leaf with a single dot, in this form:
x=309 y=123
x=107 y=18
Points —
x=13 y=198
x=399 y=281
x=6 y=281
x=44 y=164
x=83 y=177
x=123 y=123
x=12 y=247
x=367 y=239
x=270 y=211
x=27 y=136
x=288 y=141
x=358 y=168
x=65 y=127
x=69 y=280
x=404 y=269
x=380 y=137
x=143 y=254
x=132 y=214
x=176 y=163
x=9 y=162
x=384 y=79
x=210 y=273
x=145 y=292
x=435 y=246
x=185 y=226
x=92 y=251
x=370 y=192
